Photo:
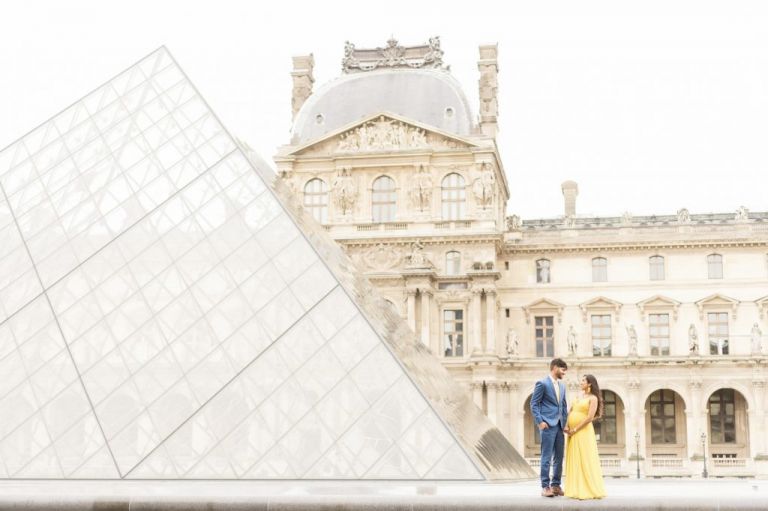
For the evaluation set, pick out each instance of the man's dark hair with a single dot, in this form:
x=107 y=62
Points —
x=557 y=362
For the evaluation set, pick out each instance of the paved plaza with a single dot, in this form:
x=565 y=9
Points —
x=711 y=494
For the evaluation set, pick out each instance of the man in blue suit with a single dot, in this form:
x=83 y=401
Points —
x=550 y=411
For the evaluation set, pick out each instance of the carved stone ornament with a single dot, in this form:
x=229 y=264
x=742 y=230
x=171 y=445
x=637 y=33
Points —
x=569 y=221
x=416 y=259
x=381 y=257
x=514 y=223
x=421 y=191
x=484 y=186
x=382 y=133
x=626 y=218
x=393 y=55
x=683 y=216
x=742 y=214
x=344 y=190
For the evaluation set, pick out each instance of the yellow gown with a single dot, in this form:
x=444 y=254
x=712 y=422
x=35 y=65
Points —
x=583 y=475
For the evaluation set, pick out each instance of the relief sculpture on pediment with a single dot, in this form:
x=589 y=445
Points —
x=382 y=133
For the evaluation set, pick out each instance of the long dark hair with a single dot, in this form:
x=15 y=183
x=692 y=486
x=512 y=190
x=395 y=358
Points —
x=594 y=389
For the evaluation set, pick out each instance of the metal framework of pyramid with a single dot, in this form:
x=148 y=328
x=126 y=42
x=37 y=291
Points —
x=167 y=311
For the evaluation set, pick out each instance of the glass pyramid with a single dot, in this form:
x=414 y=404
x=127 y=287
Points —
x=167 y=311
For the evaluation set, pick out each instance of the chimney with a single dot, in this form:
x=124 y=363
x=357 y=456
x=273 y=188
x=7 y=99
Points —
x=302 y=81
x=489 y=85
x=570 y=191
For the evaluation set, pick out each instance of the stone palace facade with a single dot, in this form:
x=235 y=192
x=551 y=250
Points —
x=670 y=312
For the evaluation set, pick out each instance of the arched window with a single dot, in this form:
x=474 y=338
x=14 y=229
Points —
x=663 y=428
x=316 y=199
x=722 y=417
x=453 y=197
x=715 y=266
x=452 y=263
x=384 y=200
x=543 y=275
x=656 y=265
x=599 y=269
x=606 y=428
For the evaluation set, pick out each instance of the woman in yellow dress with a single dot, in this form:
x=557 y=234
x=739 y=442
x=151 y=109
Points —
x=583 y=475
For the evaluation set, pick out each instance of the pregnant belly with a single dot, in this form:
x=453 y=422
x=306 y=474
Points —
x=575 y=418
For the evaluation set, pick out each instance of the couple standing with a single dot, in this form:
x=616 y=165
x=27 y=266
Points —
x=555 y=420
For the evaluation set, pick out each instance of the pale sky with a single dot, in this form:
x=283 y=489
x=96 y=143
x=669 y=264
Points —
x=650 y=106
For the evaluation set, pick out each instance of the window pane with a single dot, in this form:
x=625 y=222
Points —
x=599 y=269
x=545 y=335
x=453 y=332
x=453 y=197
x=453 y=263
x=657 y=268
x=715 y=266
x=316 y=199
x=601 y=335
x=384 y=200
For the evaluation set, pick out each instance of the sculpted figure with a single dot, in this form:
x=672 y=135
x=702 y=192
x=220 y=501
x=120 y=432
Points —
x=756 y=336
x=572 y=342
x=693 y=339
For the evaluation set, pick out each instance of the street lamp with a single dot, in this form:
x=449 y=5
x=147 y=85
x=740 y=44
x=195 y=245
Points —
x=637 y=453
x=704 y=454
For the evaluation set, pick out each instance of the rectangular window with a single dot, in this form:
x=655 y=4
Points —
x=453 y=332
x=717 y=333
x=657 y=268
x=601 y=335
x=599 y=269
x=715 y=266
x=659 y=333
x=545 y=336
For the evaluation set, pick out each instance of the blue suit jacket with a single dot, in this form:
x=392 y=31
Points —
x=544 y=405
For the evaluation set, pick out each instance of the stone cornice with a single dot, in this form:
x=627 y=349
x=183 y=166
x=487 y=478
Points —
x=432 y=240
x=511 y=248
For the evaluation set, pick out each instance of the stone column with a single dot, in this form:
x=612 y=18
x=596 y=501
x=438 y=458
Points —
x=490 y=326
x=492 y=388
x=425 y=317
x=757 y=421
x=517 y=418
x=475 y=344
x=697 y=420
x=477 y=393
x=634 y=422
x=411 y=309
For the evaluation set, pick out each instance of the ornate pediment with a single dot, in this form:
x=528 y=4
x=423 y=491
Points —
x=542 y=306
x=717 y=302
x=659 y=303
x=382 y=133
x=600 y=304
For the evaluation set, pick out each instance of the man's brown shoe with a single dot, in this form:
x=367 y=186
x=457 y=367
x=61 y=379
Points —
x=557 y=491
x=547 y=492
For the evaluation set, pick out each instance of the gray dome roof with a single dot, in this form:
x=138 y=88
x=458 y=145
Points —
x=423 y=95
